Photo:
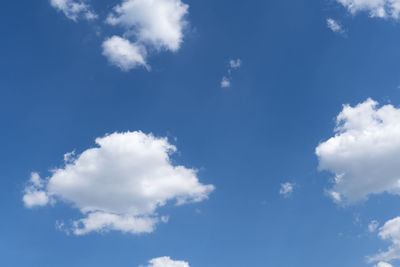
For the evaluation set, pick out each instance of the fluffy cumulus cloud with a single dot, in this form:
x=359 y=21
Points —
x=159 y=23
x=119 y=184
x=149 y=25
x=364 y=153
x=334 y=26
x=287 y=189
x=166 y=262
x=74 y=9
x=375 y=8
x=390 y=231
x=124 y=54
x=34 y=195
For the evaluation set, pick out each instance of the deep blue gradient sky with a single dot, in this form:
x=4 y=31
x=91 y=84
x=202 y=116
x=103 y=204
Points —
x=58 y=93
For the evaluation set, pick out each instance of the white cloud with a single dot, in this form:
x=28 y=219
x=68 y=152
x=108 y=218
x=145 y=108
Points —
x=120 y=184
x=34 y=195
x=287 y=189
x=103 y=221
x=383 y=264
x=390 y=231
x=74 y=9
x=372 y=226
x=166 y=262
x=375 y=8
x=159 y=23
x=225 y=82
x=233 y=65
x=148 y=26
x=364 y=152
x=334 y=26
x=336 y=197
x=124 y=54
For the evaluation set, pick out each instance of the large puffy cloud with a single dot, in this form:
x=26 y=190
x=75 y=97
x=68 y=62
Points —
x=166 y=262
x=375 y=8
x=364 y=154
x=390 y=231
x=74 y=9
x=124 y=54
x=159 y=23
x=120 y=184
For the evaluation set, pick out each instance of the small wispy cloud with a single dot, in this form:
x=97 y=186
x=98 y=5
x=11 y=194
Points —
x=287 y=189
x=335 y=26
x=372 y=226
x=74 y=10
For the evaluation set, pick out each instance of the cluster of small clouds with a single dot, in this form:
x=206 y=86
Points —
x=233 y=65
x=363 y=156
x=148 y=26
x=385 y=9
x=287 y=189
x=375 y=8
x=119 y=185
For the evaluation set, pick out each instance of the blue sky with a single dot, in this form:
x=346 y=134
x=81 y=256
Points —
x=185 y=168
